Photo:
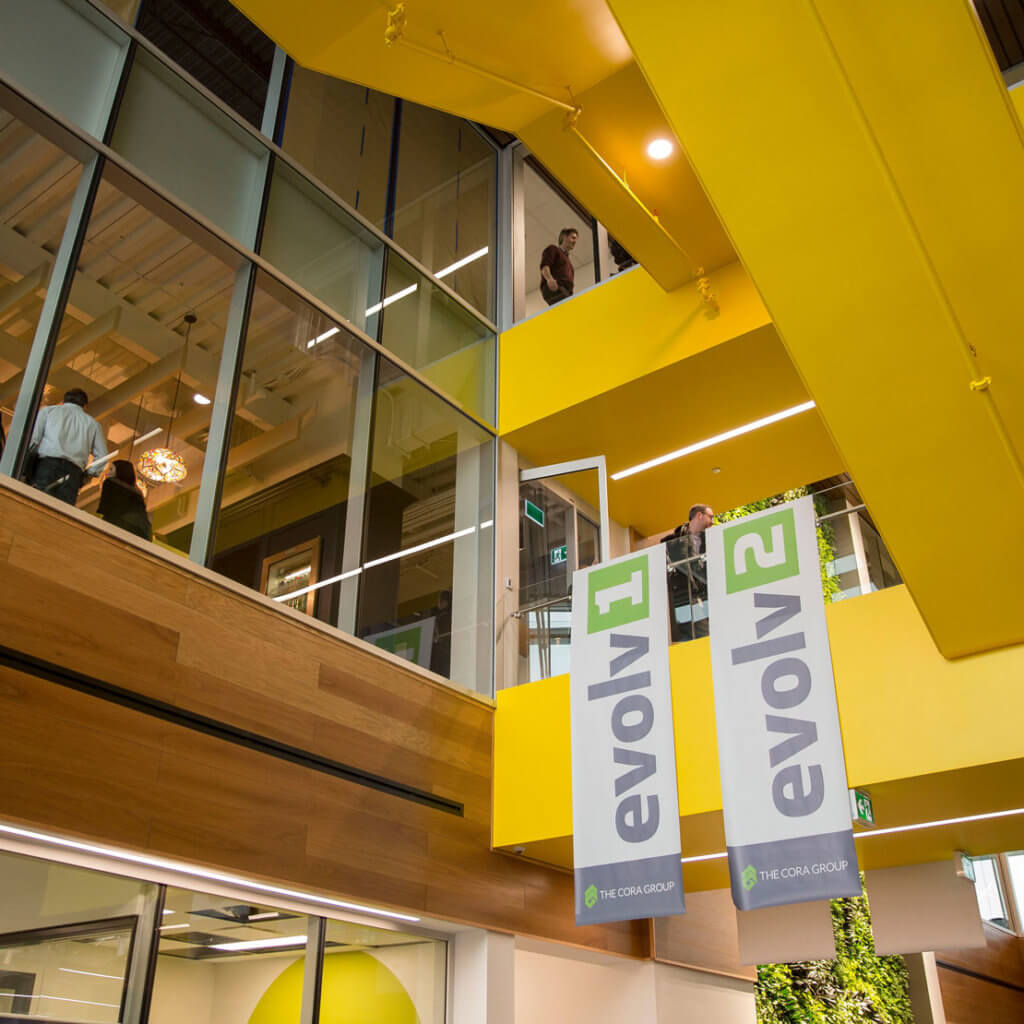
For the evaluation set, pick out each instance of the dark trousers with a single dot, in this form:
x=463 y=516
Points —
x=50 y=470
x=552 y=297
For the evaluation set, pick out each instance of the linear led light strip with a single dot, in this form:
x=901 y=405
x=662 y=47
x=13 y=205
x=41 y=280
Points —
x=247 y=944
x=890 y=831
x=381 y=561
x=457 y=265
x=187 y=869
x=717 y=439
x=62 y=999
x=92 y=974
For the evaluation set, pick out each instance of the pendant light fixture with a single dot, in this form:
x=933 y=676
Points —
x=165 y=465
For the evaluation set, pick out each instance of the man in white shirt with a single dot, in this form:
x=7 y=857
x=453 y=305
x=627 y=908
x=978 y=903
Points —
x=64 y=436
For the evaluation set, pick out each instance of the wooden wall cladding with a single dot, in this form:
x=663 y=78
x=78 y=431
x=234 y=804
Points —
x=704 y=937
x=1002 y=957
x=969 y=1000
x=79 y=598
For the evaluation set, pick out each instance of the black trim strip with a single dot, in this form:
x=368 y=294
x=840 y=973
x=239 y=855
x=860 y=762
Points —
x=957 y=969
x=33 y=666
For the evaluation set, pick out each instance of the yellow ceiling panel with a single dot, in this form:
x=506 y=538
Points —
x=713 y=391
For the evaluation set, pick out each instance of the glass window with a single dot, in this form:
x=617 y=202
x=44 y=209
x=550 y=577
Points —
x=989 y=890
x=146 y=373
x=376 y=975
x=432 y=333
x=67 y=54
x=426 y=589
x=445 y=203
x=547 y=212
x=66 y=939
x=546 y=544
x=181 y=140
x=217 y=45
x=341 y=133
x=222 y=960
x=323 y=249
x=36 y=189
x=282 y=518
x=1015 y=867
x=588 y=541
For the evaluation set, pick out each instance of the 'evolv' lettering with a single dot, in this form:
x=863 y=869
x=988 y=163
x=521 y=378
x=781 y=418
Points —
x=632 y=718
x=785 y=684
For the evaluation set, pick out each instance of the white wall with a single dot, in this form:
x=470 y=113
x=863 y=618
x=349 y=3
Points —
x=696 y=997
x=560 y=985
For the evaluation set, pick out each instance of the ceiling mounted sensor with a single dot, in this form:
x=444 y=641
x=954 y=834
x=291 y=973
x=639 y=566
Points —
x=660 y=149
x=165 y=465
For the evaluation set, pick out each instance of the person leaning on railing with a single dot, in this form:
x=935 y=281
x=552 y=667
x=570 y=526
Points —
x=688 y=582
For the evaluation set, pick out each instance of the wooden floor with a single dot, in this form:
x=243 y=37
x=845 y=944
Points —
x=81 y=599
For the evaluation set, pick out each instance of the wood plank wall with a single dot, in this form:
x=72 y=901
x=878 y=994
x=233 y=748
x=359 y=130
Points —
x=85 y=600
x=993 y=993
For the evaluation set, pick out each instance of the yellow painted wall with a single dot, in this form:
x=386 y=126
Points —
x=356 y=988
x=619 y=331
x=905 y=711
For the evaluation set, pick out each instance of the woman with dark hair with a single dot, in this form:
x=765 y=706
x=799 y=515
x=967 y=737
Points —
x=121 y=501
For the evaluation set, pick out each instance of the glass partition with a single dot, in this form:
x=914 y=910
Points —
x=547 y=211
x=67 y=54
x=446 y=201
x=432 y=333
x=36 y=188
x=181 y=140
x=341 y=133
x=427 y=583
x=67 y=937
x=224 y=960
x=281 y=525
x=147 y=375
x=324 y=249
x=370 y=974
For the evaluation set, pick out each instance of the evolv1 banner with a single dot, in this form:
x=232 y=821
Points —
x=626 y=841
x=784 y=790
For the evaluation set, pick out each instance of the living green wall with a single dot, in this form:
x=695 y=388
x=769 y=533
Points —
x=858 y=985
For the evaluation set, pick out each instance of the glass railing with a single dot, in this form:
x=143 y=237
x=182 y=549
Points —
x=854 y=561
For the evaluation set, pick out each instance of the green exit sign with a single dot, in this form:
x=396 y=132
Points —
x=559 y=556
x=861 y=808
x=533 y=512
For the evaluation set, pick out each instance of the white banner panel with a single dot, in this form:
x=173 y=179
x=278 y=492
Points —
x=626 y=844
x=784 y=790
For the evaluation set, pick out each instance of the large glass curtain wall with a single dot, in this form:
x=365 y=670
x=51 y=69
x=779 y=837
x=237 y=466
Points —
x=76 y=944
x=305 y=450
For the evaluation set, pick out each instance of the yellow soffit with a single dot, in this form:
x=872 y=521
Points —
x=519 y=75
x=875 y=198
x=922 y=749
x=662 y=371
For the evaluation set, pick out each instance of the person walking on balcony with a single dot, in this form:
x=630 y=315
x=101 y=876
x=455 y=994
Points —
x=557 y=275
x=63 y=438
x=688 y=582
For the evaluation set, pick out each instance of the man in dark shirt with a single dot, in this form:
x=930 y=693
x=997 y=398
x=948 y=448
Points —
x=556 y=270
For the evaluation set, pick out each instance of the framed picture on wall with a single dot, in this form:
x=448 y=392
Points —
x=293 y=570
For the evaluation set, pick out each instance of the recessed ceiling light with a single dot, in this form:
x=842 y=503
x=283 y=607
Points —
x=659 y=149
x=200 y=399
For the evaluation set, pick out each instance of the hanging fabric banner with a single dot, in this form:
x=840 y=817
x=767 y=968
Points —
x=626 y=844
x=784 y=790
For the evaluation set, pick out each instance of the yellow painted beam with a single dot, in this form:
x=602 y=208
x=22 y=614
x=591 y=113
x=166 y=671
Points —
x=872 y=189
x=930 y=738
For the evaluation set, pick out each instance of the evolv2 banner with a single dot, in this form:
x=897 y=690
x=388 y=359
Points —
x=784 y=790
x=626 y=843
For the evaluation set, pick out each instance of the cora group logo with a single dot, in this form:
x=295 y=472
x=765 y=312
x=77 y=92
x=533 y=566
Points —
x=749 y=877
x=590 y=896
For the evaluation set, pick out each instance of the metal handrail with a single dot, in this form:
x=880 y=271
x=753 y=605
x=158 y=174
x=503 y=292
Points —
x=539 y=606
